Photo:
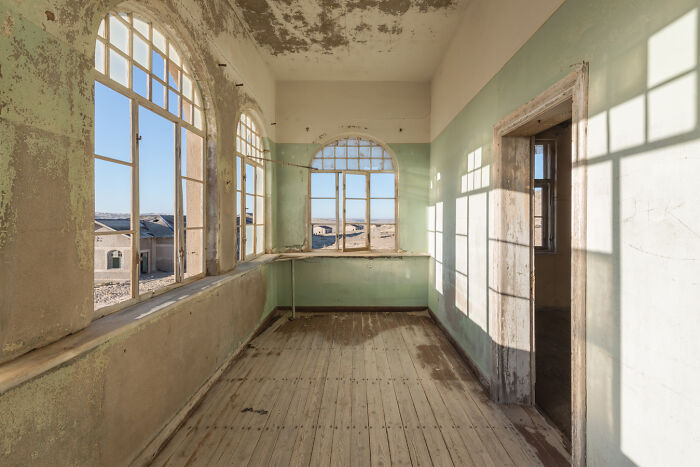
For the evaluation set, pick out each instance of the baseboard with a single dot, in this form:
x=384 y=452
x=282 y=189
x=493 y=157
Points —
x=483 y=380
x=165 y=435
x=345 y=309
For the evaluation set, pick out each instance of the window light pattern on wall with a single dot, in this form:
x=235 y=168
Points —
x=149 y=164
x=250 y=189
x=134 y=54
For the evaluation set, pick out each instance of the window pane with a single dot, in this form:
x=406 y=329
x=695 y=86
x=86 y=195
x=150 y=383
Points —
x=118 y=68
x=192 y=155
x=539 y=161
x=157 y=93
x=238 y=243
x=355 y=210
x=323 y=210
x=198 y=119
x=174 y=56
x=187 y=87
x=259 y=239
x=355 y=236
x=158 y=65
x=101 y=29
x=323 y=185
x=173 y=77
x=382 y=210
x=112 y=123
x=259 y=181
x=141 y=51
x=355 y=186
x=249 y=179
x=377 y=151
x=317 y=164
x=112 y=195
x=112 y=270
x=193 y=203
x=249 y=208
x=388 y=164
x=173 y=102
x=382 y=185
x=238 y=208
x=194 y=252
x=259 y=210
x=353 y=164
x=328 y=164
x=119 y=34
x=323 y=236
x=383 y=236
x=365 y=164
x=158 y=39
x=99 y=56
x=156 y=164
x=239 y=174
x=250 y=239
x=141 y=26
x=140 y=82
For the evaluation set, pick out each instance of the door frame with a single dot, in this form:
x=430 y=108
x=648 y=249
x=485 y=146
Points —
x=511 y=246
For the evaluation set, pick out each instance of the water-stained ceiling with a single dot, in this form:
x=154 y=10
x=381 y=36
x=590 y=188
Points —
x=383 y=40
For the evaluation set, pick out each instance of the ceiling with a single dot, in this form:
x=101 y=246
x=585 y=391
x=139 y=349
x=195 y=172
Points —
x=367 y=40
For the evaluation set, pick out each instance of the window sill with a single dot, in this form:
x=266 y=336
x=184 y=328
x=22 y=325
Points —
x=348 y=254
x=44 y=359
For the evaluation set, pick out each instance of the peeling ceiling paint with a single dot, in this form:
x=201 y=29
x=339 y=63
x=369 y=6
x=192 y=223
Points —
x=400 y=40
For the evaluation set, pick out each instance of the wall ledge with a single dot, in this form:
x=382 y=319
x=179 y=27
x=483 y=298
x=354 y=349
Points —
x=348 y=254
x=40 y=361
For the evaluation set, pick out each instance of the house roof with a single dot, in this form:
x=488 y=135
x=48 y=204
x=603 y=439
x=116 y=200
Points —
x=151 y=226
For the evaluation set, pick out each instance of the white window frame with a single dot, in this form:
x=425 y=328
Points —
x=340 y=211
x=250 y=150
x=196 y=124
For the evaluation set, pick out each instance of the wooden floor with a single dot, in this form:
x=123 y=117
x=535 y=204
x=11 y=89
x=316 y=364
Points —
x=357 y=389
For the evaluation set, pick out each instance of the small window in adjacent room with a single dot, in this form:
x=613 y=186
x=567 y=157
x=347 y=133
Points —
x=353 y=193
x=250 y=190
x=114 y=260
x=544 y=175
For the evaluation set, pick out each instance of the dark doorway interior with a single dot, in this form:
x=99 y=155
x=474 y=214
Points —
x=552 y=240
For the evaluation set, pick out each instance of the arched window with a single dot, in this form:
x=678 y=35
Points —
x=149 y=154
x=353 y=197
x=250 y=189
x=114 y=259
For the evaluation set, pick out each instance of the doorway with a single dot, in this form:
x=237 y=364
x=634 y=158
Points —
x=551 y=242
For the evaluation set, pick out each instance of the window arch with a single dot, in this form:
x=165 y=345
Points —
x=250 y=189
x=354 y=196
x=149 y=154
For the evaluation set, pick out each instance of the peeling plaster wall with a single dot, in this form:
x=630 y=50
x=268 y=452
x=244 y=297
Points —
x=46 y=145
x=104 y=406
x=643 y=246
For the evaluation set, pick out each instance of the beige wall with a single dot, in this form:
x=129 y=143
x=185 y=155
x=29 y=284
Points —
x=489 y=35
x=394 y=112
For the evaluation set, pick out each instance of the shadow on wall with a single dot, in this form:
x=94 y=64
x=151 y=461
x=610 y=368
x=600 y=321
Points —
x=643 y=252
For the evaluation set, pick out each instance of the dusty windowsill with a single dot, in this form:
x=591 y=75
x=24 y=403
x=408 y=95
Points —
x=44 y=359
x=348 y=254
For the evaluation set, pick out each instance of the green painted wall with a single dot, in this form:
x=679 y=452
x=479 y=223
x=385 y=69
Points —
x=644 y=159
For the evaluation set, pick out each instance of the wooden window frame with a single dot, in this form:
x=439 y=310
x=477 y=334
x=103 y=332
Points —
x=549 y=183
x=340 y=181
x=196 y=125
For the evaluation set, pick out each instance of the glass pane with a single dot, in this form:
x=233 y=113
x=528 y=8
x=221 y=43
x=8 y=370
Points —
x=193 y=203
x=112 y=270
x=158 y=65
x=382 y=185
x=187 y=87
x=323 y=236
x=539 y=200
x=194 y=252
x=174 y=56
x=340 y=152
x=382 y=210
x=364 y=152
x=382 y=237
x=328 y=164
x=158 y=40
x=353 y=164
x=192 y=155
x=173 y=77
x=377 y=151
x=317 y=164
x=355 y=236
x=238 y=243
x=249 y=207
x=323 y=211
x=539 y=161
x=323 y=185
x=118 y=68
x=341 y=164
x=112 y=195
x=328 y=151
x=259 y=210
x=112 y=123
x=139 y=82
x=156 y=166
x=187 y=111
x=238 y=173
x=355 y=210
x=250 y=239
x=101 y=29
x=352 y=151
x=141 y=51
x=157 y=93
x=99 y=56
x=259 y=239
x=539 y=232
x=173 y=102
x=249 y=179
x=365 y=164
x=198 y=119
x=119 y=34
x=259 y=181
x=141 y=26
x=156 y=261
x=388 y=164
x=238 y=208
x=355 y=186
x=377 y=164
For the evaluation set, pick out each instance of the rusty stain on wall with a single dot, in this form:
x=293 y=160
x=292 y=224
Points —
x=8 y=25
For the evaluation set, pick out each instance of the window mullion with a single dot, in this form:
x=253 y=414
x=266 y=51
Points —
x=178 y=238
x=135 y=217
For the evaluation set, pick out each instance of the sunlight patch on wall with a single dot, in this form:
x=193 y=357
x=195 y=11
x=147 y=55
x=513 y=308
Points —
x=598 y=135
x=627 y=124
x=478 y=175
x=461 y=254
x=477 y=261
x=672 y=108
x=673 y=50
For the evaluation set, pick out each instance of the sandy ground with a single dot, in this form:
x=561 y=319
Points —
x=382 y=238
x=109 y=293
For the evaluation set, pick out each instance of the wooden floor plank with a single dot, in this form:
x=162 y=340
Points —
x=357 y=388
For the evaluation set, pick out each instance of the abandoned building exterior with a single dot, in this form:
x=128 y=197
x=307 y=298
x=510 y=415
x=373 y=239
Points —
x=471 y=232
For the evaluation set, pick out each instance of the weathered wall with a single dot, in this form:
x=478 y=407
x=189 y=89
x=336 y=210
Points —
x=643 y=247
x=46 y=141
x=103 y=406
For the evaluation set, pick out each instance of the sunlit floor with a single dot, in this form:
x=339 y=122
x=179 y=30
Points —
x=357 y=389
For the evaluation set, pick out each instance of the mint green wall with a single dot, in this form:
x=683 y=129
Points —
x=643 y=165
x=292 y=186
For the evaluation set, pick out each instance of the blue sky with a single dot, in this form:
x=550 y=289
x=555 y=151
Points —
x=381 y=186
